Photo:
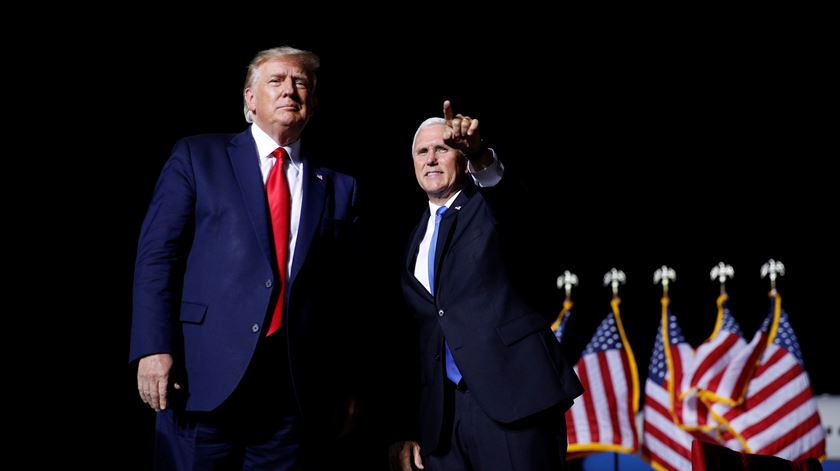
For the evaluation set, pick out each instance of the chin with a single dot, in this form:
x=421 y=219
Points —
x=289 y=117
x=434 y=191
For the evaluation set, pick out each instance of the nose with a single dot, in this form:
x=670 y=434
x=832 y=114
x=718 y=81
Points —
x=431 y=159
x=287 y=87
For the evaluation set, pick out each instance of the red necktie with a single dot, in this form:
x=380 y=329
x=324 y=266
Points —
x=277 y=189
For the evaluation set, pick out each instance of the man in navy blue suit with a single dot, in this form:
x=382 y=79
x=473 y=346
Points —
x=494 y=384
x=239 y=327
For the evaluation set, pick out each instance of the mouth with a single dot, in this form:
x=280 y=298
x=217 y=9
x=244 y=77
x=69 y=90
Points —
x=432 y=173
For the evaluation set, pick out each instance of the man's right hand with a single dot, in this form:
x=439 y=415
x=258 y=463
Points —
x=153 y=379
x=400 y=455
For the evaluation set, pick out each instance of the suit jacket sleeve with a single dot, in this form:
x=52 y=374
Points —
x=529 y=245
x=161 y=253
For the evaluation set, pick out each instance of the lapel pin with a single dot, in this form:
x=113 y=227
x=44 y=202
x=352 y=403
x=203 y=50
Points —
x=457 y=208
x=319 y=176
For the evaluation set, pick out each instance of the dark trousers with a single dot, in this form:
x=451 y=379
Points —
x=257 y=428
x=479 y=443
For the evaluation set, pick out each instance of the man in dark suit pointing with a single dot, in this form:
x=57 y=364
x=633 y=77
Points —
x=494 y=383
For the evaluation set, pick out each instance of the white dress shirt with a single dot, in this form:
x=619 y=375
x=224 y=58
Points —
x=294 y=172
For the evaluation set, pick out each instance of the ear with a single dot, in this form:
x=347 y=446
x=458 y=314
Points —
x=250 y=100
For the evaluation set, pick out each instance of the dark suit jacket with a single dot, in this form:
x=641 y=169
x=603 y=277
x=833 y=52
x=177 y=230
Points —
x=499 y=338
x=206 y=278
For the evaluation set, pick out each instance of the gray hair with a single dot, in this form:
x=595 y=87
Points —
x=427 y=122
x=309 y=60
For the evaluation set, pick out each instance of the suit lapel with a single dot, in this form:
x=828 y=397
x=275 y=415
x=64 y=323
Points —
x=413 y=248
x=448 y=226
x=242 y=152
x=314 y=184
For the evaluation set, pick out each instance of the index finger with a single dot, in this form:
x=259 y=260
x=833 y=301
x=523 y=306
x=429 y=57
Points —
x=447 y=111
x=162 y=385
x=418 y=460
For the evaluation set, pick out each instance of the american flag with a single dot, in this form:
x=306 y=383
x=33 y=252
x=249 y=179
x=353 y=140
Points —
x=778 y=415
x=666 y=444
x=603 y=418
x=729 y=385
x=704 y=367
x=722 y=346
x=559 y=324
x=685 y=407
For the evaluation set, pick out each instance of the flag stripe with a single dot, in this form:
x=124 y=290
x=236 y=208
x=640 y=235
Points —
x=609 y=393
x=594 y=436
x=665 y=457
x=664 y=443
x=577 y=415
x=740 y=387
x=813 y=443
x=763 y=387
x=625 y=415
x=785 y=400
x=599 y=419
x=730 y=385
x=715 y=359
x=791 y=435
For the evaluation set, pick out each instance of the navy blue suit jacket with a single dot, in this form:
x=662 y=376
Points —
x=206 y=279
x=499 y=338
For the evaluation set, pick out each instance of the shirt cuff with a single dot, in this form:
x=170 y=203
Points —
x=490 y=175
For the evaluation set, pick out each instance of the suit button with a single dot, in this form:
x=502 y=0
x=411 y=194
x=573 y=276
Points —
x=440 y=313
x=268 y=283
x=255 y=328
x=436 y=356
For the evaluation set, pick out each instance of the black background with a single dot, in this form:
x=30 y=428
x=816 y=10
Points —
x=642 y=145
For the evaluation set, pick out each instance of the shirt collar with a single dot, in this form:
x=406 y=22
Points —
x=266 y=145
x=434 y=207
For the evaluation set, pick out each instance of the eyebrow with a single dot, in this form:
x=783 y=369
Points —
x=296 y=76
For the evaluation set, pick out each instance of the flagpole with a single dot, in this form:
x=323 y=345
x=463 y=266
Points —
x=773 y=268
x=664 y=275
x=722 y=272
x=614 y=278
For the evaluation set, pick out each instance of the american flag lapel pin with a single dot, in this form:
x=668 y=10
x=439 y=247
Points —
x=319 y=176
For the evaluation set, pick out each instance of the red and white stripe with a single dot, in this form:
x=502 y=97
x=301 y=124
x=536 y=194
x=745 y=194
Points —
x=603 y=418
x=778 y=415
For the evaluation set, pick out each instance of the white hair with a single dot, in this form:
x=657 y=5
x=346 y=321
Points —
x=428 y=122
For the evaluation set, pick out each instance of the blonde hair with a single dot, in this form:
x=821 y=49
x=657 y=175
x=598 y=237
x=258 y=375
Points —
x=309 y=60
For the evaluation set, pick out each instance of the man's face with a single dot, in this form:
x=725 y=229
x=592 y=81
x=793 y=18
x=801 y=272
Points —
x=438 y=167
x=281 y=94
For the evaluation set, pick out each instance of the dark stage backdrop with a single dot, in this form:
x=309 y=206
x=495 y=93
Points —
x=639 y=149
